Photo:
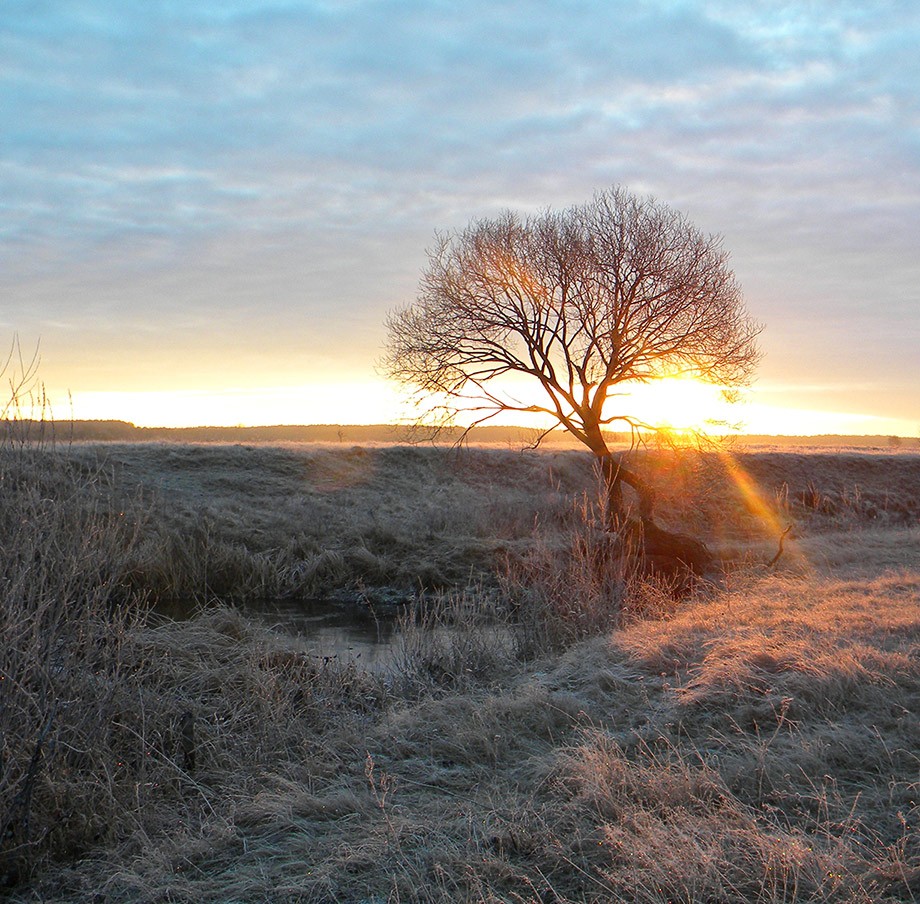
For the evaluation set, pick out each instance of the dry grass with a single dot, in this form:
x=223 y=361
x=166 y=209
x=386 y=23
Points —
x=238 y=522
x=65 y=622
x=304 y=521
x=757 y=743
x=757 y=747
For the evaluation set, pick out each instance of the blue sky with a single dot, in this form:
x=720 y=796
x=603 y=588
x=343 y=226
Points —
x=207 y=209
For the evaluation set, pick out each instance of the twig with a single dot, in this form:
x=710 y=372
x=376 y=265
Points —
x=779 y=552
x=18 y=816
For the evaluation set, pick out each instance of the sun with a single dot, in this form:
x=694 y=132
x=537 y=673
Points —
x=681 y=405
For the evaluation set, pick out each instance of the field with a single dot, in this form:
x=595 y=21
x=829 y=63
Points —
x=581 y=734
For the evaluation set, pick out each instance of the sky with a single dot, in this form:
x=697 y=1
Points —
x=207 y=209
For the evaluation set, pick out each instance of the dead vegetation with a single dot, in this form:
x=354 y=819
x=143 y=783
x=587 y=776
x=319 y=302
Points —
x=262 y=521
x=585 y=738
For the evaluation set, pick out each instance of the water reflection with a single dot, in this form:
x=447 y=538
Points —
x=346 y=633
x=328 y=630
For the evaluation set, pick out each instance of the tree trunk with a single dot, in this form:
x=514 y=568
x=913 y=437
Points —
x=615 y=475
x=659 y=550
x=614 y=512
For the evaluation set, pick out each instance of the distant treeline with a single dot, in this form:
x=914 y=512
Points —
x=356 y=434
x=353 y=434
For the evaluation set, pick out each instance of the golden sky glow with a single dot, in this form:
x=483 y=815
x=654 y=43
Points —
x=692 y=405
x=681 y=405
x=326 y=403
x=678 y=404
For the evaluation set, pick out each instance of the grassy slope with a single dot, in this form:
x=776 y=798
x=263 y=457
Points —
x=305 y=520
x=761 y=744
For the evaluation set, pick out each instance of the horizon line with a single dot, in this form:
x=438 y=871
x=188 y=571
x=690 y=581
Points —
x=394 y=427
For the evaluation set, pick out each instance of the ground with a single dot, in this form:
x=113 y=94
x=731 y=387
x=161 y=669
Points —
x=754 y=740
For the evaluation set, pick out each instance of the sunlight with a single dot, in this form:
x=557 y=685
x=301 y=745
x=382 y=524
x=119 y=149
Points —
x=682 y=407
x=750 y=492
x=679 y=405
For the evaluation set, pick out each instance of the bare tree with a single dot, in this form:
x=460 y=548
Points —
x=579 y=301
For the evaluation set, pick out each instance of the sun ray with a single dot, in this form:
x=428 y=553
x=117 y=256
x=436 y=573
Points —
x=754 y=499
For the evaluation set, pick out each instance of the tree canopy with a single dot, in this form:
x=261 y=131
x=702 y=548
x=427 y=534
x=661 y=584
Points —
x=581 y=300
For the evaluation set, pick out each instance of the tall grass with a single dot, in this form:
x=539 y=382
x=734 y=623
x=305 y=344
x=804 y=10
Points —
x=112 y=726
x=756 y=747
x=64 y=619
x=582 y=581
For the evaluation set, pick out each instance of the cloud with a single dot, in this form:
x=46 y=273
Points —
x=379 y=93
x=235 y=157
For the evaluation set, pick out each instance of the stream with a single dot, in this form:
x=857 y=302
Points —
x=329 y=630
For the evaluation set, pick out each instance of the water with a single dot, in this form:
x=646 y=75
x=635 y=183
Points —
x=330 y=631
x=353 y=633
